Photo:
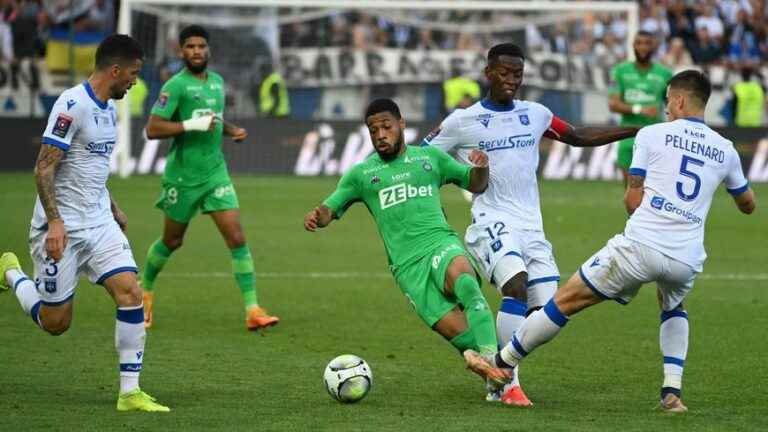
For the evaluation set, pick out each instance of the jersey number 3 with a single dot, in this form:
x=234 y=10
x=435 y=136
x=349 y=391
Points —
x=685 y=171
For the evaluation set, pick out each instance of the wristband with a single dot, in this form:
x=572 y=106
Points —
x=637 y=108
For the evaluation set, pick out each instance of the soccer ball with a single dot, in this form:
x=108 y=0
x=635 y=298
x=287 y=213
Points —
x=348 y=378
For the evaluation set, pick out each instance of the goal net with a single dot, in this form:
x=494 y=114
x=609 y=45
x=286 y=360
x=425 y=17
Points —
x=335 y=55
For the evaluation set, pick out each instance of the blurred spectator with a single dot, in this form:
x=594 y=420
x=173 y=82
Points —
x=609 y=51
x=100 y=18
x=704 y=50
x=171 y=62
x=748 y=100
x=460 y=92
x=729 y=10
x=677 y=56
x=138 y=96
x=743 y=47
x=362 y=31
x=6 y=37
x=709 y=20
x=273 y=94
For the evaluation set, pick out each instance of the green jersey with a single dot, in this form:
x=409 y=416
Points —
x=636 y=87
x=194 y=157
x=403 y=197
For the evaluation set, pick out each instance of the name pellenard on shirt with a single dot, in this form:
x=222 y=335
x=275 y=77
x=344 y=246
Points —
x=694 y=147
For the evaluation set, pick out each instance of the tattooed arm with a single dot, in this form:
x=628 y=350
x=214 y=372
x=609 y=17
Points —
x=45 y=171
x=634 y=195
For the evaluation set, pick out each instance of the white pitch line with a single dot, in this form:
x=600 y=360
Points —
x=379 y=275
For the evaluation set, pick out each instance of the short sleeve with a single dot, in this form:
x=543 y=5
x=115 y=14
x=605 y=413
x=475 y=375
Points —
x=735 y=182
x=347 y=193
x=616 y=85
x=63 y=122
x=450 y=170
x=447 y=136
x=168 y=100
x=640 y=150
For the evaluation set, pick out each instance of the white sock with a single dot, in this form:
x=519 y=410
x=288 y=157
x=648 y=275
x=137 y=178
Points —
x=26 y=293
x=673 y=339
x=539 y=328
x=510 y=317
x=129 y=341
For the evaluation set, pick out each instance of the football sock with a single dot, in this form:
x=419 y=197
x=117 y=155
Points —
x=511 y=315
x=129 y=341
x=26 y=293
x=539 y=328
x=157 y=256
x=242 y=267
x=477 y=311
x=673 y=338
x=464 y=341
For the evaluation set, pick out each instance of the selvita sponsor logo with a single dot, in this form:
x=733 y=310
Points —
x=402 y=192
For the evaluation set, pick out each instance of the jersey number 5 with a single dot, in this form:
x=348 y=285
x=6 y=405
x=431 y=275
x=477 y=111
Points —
x=685 y=172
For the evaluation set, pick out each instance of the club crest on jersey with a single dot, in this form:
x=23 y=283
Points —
x=524 y=119
x=427 y=166
x=61 y=127
x=162 y=100
x=484 y=119
x=49 y=285
x=375 y=179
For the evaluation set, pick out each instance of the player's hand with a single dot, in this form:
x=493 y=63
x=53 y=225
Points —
x=55 y=239
x=120 y=218
x=479 y=158
x=239 y=134
x=650 y=111
x=310 y=220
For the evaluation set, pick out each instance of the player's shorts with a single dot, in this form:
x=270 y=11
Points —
x=618 y=270
x=97 y=253
x=181 y=203
x=624 y=153
x=423 y=281
x=503 y=252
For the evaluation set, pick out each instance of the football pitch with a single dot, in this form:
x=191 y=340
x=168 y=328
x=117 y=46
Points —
x=334 y=295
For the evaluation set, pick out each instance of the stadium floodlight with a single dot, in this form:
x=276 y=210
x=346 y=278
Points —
x=171 y=13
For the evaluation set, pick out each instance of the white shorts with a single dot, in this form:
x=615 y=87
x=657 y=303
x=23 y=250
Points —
x=503 y=252
x=619 y=269
x=97 y=252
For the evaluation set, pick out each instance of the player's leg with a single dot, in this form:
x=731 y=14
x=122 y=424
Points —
x=228 y=223
x=179 y=204
x=461 y=281
x=674 y=331
x=110 y=263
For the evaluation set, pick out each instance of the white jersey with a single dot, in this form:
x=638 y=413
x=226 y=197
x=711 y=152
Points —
x=510 y=136
x=86 y=129
x=683 y=163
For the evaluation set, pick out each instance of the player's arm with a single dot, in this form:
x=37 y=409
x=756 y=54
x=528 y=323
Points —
x=633 y=197
x=236 y=132
x=120 y=217
x=45 y=172
x=589 y=136
x=347 y=193
x=478 y=175
x=161 y=124
x=737 y=185
x=745 y=201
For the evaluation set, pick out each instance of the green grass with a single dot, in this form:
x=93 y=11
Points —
x=602 y=373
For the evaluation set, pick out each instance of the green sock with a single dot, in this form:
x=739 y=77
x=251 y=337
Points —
x=157 y=256
x=478 y=312
x=464 y=341
x=242 y=267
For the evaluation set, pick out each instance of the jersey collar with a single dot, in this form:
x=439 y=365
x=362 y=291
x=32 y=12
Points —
x=490 y=105
x=89 y=90
x=695 y=120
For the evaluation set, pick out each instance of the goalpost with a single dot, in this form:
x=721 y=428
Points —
x=167 y=11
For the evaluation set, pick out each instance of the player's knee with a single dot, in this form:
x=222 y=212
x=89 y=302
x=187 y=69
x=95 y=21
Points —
x=516 y=287
x=173 y=243
x=236 y=240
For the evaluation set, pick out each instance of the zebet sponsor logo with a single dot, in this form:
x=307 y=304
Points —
x=400 y=193
x=661 y=204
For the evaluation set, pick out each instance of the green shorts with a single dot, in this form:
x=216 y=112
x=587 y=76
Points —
x=180 y=203
x=422 y=282
x=624 y=156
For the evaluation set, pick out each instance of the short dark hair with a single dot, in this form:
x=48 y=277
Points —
x=117 y=49
x=694 y=82
x=383 y=105
x=509 y=49
x=645 y=33
x=191 y=31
